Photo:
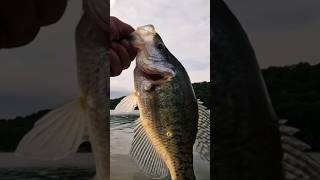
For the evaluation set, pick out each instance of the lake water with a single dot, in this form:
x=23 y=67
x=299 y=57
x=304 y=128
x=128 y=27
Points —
x=80 y=166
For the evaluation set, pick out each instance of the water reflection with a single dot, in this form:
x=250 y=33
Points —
x=122 y=167
x=60 y=173
x=81 y=165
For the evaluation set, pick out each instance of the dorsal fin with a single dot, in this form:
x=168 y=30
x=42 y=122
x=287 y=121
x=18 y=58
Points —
x=127 y=104
x=202 y=144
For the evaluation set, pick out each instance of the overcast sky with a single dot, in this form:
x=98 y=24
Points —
x=43 y=74
x=184 y=26
x=282 y=32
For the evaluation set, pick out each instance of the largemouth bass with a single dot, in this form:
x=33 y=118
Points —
x=248 y=141
x=60 y=132
x=168 y=125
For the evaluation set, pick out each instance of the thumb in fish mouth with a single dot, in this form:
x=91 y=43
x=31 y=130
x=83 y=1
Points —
x=119 y=29
x=122 y=51
x=121 y=55
x=119 y=60
x=141 y=35
x=136 y=40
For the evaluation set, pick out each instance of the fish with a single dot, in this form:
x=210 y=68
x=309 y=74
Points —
x=172 y=120
x=251 y=141
x=59 y=133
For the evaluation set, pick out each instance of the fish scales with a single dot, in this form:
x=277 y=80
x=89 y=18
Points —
x=94 y=85
x=168 y=109
x=59 y=133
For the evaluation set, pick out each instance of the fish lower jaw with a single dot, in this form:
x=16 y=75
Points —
x=155 y=78
x=154 y=72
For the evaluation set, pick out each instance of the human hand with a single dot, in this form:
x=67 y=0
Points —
x=20 y=21
x=122 y=52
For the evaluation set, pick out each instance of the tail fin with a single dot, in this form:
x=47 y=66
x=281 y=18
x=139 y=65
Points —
x=56 y=135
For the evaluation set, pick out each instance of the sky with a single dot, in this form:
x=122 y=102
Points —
x=281 y=32
x=43 y=74
x=184 y=26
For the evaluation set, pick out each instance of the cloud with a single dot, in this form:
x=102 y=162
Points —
x=281 y=32
x=270 y=15
x=200 y=63
x=117 y=94
x=184 y=26
x=13 y=104
x=43 y=73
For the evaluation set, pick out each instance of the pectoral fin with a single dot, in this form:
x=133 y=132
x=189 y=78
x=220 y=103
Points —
x=202 y=144
x=56 y=135
x=145 y=156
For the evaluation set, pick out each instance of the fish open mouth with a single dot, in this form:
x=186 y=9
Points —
x=156 y=74
x=152 y=75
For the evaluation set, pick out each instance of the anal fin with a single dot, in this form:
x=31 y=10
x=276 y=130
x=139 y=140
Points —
x=145 y=155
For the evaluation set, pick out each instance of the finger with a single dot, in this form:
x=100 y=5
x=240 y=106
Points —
x=123 y=55
x=119 y=29
x=20 y=23
x=50 y=11
x=115 y=64
x=130 y=49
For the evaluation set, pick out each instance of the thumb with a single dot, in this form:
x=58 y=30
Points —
x=119 y=29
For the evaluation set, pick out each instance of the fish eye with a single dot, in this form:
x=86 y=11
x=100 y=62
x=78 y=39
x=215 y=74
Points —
x=160 y=46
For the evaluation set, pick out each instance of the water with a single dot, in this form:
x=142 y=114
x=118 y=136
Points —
x=122 y=167
x=80 y=166
x=61 y=173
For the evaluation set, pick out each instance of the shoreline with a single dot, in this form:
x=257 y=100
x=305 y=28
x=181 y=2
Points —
x=79 y=160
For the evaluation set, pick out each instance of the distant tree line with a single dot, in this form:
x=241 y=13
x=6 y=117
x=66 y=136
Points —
x=12 y=130
x=295 y=94
x=294 y=91
x=201 y=90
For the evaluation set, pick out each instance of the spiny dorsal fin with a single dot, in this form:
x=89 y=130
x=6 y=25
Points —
x=202 y=144
x=127 y=104
x=145 y=156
